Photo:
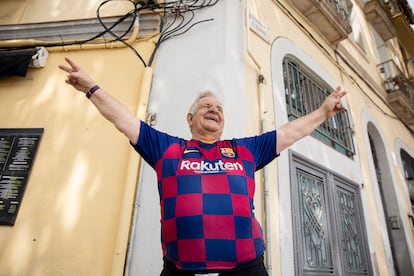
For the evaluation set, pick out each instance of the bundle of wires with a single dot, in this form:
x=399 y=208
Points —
x=174 y=20
x=175 y=23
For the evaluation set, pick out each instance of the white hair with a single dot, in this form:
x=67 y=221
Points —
x=202 y=94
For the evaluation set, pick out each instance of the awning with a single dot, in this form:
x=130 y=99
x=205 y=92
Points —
x=15 y=62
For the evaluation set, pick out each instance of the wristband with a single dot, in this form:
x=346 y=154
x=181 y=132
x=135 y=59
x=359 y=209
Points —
x=91 y=91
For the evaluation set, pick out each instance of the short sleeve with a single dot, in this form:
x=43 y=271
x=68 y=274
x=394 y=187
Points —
x=152 y=143
x=262 y=147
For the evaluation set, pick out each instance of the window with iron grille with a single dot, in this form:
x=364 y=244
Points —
x=304 y=93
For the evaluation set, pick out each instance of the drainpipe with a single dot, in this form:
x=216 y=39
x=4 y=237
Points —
x=267 y=220
x=266 y=194
x=131 y=186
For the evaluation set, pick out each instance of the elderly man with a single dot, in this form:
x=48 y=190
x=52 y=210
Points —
x=206 y=185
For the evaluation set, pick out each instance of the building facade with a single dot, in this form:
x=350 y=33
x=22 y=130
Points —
x=338 y=202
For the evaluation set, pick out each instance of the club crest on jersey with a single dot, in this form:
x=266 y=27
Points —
x=227 y=152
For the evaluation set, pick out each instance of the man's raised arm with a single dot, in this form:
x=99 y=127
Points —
x=108 y=106
x=295 y=130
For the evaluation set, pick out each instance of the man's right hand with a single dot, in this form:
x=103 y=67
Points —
x=109 y=107
x=76 y=77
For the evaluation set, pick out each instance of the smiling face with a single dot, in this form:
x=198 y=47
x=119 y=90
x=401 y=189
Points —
x=207 y=121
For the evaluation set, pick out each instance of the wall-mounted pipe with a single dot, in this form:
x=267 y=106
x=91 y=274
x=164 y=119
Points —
x=101 y=44
x=127 y=220
x=266 y=193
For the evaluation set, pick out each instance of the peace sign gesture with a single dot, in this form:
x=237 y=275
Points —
x=78 y=78
x=332 y=103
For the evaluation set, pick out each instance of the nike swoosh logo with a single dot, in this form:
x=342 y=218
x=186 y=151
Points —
x=190 y=151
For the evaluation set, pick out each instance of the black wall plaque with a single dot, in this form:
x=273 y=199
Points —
x=17 y=151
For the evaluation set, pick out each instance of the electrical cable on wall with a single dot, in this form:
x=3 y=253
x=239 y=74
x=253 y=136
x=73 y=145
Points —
x=133 y=13
x=174 y=23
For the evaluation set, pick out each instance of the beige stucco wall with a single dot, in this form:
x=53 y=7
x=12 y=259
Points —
x=76 y=211
x=69 y=218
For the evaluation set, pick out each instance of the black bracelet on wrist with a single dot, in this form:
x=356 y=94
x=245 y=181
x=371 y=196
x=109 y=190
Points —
x=91 y=91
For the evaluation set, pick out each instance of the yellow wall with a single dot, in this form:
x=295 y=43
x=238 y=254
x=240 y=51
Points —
x=69 y=219
x=35 y=11
x=76 y=210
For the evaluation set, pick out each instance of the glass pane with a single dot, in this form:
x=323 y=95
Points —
x=353 y=250
x=314 y=227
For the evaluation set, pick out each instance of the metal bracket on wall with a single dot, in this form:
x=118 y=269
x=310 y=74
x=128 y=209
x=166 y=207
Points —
x=152 y=119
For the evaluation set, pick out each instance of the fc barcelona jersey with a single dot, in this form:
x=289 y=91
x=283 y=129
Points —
x=206 y=197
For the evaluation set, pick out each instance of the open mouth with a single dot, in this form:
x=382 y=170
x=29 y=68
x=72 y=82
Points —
x=212 y=118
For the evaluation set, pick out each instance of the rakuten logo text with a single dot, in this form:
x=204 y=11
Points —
x=210 y=167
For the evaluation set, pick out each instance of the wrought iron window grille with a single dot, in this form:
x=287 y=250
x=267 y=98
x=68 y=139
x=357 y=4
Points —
x=304 y=94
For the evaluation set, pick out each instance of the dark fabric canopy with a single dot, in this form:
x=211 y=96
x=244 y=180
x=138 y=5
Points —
x=16 y=62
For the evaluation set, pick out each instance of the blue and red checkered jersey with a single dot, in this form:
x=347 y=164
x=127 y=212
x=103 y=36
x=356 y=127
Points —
x=206 y=197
